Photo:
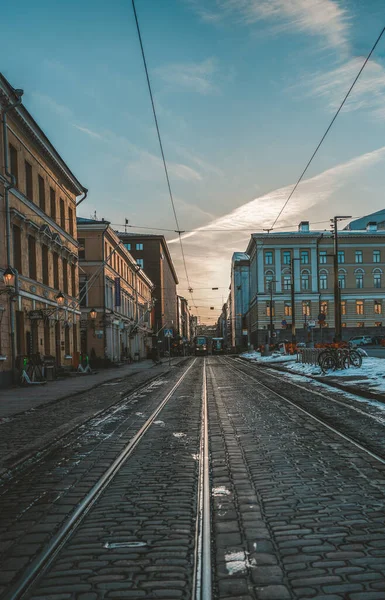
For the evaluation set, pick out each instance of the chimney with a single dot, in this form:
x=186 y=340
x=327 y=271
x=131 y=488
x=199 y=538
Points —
x=303 y=227
x=371 y=226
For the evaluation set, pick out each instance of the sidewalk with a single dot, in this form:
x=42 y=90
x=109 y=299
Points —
x=20 y=399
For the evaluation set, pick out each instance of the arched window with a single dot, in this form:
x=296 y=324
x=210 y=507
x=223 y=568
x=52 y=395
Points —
x=377 y=278
x=269 y=278
x=342 y=279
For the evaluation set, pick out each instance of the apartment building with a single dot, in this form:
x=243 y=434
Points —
x=115 y=296
x=240 y=298
x=184 y=319
x=152 y=254
x=361 y=255
x=39 y=195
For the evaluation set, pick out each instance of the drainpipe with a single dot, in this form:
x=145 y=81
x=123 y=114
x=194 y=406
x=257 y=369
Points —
x=7 y=186
x=84 y=197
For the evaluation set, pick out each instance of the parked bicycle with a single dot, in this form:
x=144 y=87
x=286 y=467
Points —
x=339 y=358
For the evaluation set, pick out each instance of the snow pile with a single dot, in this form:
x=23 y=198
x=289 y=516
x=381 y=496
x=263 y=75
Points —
x=274 y=357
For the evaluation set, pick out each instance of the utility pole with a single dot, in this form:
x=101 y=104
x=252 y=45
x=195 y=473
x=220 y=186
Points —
x=337 y=299
x=293 y=332
x=271 y=312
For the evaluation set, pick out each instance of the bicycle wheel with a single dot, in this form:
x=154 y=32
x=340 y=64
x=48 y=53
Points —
x=355 y=358
x=327 y=362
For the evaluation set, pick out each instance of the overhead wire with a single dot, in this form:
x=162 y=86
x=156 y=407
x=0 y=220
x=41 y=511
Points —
x=179 y=231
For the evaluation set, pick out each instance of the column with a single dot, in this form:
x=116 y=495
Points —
x=278 y=277
x=297 y=277
x=260 y=272
x=314 y=273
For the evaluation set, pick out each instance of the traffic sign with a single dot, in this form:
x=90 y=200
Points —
x=321 y=317
x=311 y=323
x=168 y=333
x=283 y=322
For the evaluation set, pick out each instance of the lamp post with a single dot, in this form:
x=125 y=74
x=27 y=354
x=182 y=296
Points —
x=293 y=330
x=337 y=300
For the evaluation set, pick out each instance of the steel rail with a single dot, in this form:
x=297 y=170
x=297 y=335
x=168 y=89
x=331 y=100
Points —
x=46 y=557
x=309 y=414
x=202 y=585
x=317 y=393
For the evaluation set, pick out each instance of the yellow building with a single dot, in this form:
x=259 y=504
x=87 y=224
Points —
x=38 y=243
x=115 y=297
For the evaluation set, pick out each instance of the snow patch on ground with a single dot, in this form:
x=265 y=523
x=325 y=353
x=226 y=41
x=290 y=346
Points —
x=274 y=357
x=221 y=490
x=179 y=435
x=160 y=423
x=238 y=562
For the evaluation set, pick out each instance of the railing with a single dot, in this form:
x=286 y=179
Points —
x=309 y=356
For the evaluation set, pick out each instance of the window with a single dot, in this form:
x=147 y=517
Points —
x=73 y=280
x=323 y=281
x=378 y=324
x=67 y=341
x=359 y=280
x=139 y=246
x=140 y=262
x=305 y=280
x=378 y=307
x=44 y=264
x=341 y=256
x=306 y=308
x=376 y=256
x=287 y=282
x=324 y=307
x=32 y=256
x=127 y=246
x=268 y=258
x=322 y=257
x=343 y=324
x=304 y=257
x=41 y=192
x=62 y=214
x=342 y=280
x=358 y=256
x=65 y=275
x=82 y=248
x=360 y=324
x=287 y=309
x=71 y=221
x=13 y=161
x=17 y=249
x=359 y=307
x=269 y=276
x=268 y=312
x=287 y=257
x=52 y=202
x=55 y=258
x=377 y=279
x=343 y=307
x=47 y=339
x=28 y=181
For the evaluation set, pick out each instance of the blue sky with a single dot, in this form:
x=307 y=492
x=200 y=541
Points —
x=244 y=90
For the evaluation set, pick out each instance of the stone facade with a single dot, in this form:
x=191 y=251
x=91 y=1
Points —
x=118 y=290
x=39 y=195
x=360 y=274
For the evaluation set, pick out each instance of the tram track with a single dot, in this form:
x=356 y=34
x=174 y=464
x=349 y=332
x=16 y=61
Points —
x=41 y=564
x=308 y=413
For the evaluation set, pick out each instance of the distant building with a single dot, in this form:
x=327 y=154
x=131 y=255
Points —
x=39 y=317
x=152 y=254
x=240 y=298
x=360 y=276
x=183 y=319
x=118 y=290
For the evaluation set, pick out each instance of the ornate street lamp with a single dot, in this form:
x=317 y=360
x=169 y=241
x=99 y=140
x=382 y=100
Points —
x=93 y=314
x=9 y=278
x=60 y=300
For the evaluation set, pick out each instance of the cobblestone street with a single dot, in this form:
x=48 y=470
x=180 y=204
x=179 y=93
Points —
x=296 y=487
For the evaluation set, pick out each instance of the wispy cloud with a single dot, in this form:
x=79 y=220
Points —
x=88 y=132
x=261 y=212
x=196 y=77
x=368 y=93
x=324 y=18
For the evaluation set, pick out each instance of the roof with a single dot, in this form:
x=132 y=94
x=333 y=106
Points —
x=28 y=123
x=125 y=235
x=85 y=221
x=376 y=217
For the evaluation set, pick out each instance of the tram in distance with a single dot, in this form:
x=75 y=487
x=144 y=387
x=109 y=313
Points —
x=218 y=345
x=201 y=345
